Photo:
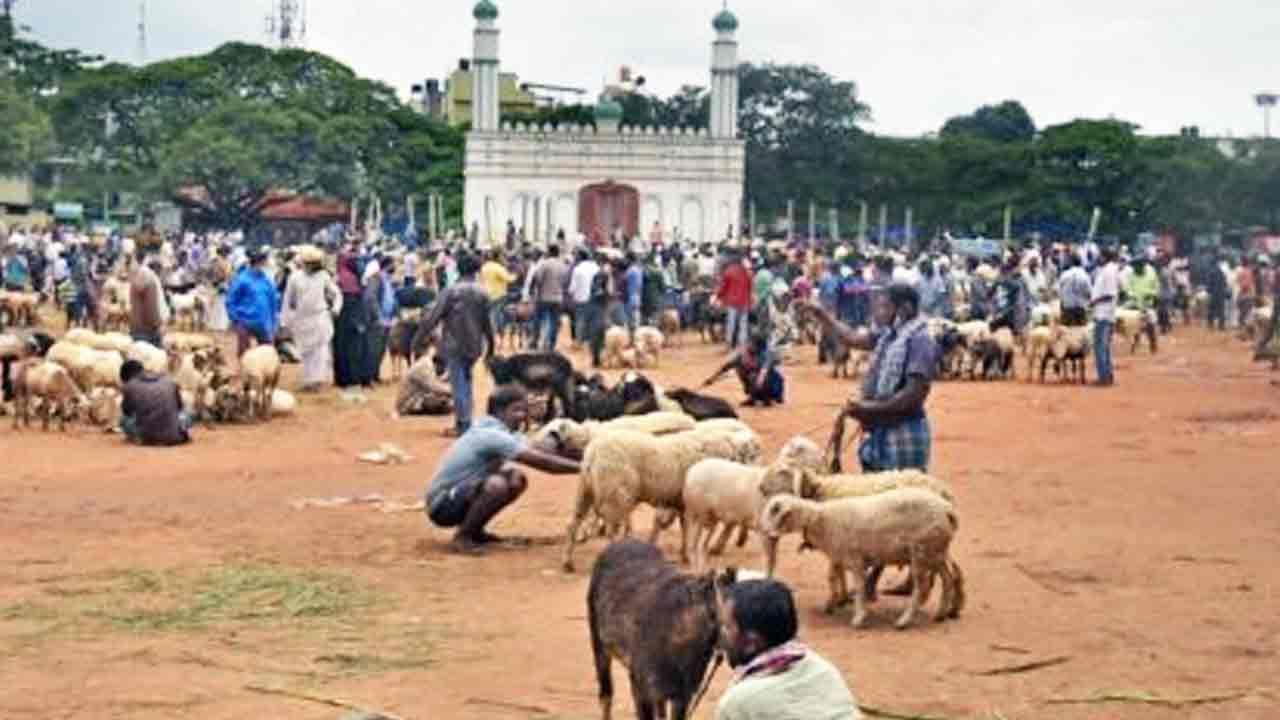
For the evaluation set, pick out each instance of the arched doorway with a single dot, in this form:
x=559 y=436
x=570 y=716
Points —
x=691 y=220
x=608 y=205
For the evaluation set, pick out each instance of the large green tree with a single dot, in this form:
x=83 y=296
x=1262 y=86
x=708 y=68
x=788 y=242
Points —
x=1086 y=164
x=35 y=69
x=802 y=135
x=1007 y=122
x=228 y=133
x=27 y=135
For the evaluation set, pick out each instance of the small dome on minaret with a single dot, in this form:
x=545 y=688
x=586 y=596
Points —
x=485 y=10
x=725 y=21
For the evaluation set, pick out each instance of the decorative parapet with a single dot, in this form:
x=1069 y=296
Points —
x=520 y=127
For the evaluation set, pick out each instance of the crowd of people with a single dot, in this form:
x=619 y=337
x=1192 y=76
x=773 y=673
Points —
x=338 y=298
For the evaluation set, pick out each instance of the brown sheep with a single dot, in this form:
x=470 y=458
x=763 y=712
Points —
x=51 y=383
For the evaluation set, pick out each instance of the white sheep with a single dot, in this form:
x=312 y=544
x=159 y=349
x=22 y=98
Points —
x=81 y=336
x=189 y=305
x=88 y=367
x=1260 y=321
x=624 y=468
x=747 y=448
x=113 y=314
x=1039 y=342
x=153 y=359
x=116 y=341
x=283 y=403
x=1131 y=324
x=188 y=342
x=649 y=343
x=808 y=483
x=722 y=491
x=105 y=406
x=971 y=334
x=260 y=374
x=1071 y=347
x=563 y=434
x=1199 y=304
x=1049 y=313
x=52 y=385
x=908 y=526
x=616 y=341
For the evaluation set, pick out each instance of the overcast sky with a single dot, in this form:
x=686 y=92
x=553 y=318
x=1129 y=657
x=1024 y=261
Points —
x=1160 y=63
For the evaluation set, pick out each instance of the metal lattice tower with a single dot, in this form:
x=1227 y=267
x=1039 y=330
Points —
x=287 y=23
x=142 y=32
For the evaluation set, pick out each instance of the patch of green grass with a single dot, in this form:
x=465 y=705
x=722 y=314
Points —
x=229 y=594
x=329 y=617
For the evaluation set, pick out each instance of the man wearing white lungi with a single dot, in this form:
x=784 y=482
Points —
x=311 y=301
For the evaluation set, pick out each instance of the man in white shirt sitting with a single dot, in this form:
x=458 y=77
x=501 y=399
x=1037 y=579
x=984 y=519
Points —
x=775 y=676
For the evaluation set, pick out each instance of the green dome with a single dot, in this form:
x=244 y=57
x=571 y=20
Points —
x=725 y=21
x=485 y=10
x=608 y=109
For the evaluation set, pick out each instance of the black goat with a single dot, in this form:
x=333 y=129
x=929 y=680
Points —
x=661 y=624
x=951 y=352
x=707 y=318
x=548 y=372
x=996 y=361
x=593 y=400
x=702 y=407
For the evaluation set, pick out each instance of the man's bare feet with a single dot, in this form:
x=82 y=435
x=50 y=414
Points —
x=462 y=545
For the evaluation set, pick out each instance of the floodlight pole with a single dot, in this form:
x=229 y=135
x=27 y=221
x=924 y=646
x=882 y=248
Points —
x=1266 y=101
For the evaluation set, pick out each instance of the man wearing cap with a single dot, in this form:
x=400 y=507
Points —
x=253 y=303
x=904 y=360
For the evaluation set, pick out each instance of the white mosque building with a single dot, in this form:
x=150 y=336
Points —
x=599 y=181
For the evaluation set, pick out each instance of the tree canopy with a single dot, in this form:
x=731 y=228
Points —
x=1007 y=122
x=226 y=133
x=27 y=137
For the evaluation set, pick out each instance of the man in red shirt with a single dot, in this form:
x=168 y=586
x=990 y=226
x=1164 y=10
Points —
x=735 y=295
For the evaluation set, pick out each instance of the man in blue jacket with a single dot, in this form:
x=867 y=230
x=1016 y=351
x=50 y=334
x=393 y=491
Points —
x=253 y=303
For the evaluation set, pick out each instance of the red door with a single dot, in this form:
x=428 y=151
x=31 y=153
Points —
x=605 y=206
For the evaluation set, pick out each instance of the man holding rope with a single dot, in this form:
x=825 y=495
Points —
x=896 y=432
x=904 y=360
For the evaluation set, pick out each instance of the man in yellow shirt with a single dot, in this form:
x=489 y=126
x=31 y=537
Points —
x=495 y=278
x=1144 y=293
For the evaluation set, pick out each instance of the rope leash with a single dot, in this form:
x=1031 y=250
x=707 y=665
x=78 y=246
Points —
x=706 y=683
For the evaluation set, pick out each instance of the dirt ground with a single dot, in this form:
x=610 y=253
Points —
x=1131 y=533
